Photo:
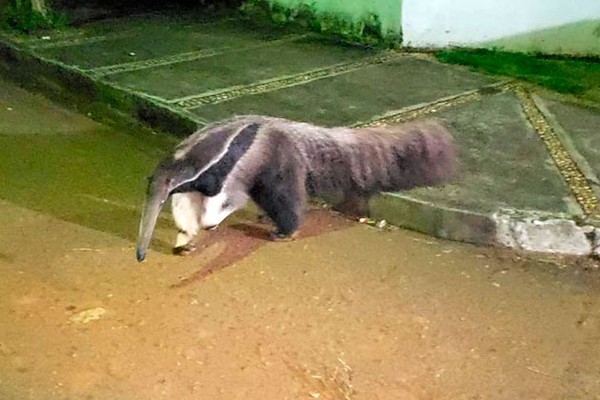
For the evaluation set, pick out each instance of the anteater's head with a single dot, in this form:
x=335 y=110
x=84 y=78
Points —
x=202 y=164
x=168 y=177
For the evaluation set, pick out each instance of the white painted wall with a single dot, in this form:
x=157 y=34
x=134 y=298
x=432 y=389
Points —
x=440 y=23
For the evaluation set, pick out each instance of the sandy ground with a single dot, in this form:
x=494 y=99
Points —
x=345 y=312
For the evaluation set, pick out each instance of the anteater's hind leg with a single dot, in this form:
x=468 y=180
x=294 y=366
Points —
x=186 y=213
x=281 y=195
x=355 y=204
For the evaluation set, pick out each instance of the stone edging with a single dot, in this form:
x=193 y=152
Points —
x=99 y=100
x=518 y=229
x=280 y=82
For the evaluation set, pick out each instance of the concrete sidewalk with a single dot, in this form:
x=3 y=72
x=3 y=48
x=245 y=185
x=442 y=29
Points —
x=530 y=161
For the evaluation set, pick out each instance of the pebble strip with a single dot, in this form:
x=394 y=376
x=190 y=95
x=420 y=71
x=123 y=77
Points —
x=180 y=58
x=568 y=168
x=269 y=85
x=418 y=111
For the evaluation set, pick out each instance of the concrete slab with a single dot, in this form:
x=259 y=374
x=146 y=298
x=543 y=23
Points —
x=582 y=126
x=355 y=96
x=151 y=40
x=504 y=164
x=236 y=68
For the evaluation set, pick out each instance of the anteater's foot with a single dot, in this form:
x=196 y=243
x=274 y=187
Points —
x=280 y=237
x=184 y=250
x=263 y=219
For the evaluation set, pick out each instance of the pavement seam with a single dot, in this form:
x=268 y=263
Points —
x=76 y=41
x=281 y=82
x=568 y=168
x=422 y=109
x=80 y=39
x=182 y=57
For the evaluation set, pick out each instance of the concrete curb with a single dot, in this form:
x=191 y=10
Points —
x=99 y=100
x=543 y=232
x=526 y=230
x=426 y=217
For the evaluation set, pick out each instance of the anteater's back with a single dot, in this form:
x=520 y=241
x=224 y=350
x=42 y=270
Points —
x=369 y=160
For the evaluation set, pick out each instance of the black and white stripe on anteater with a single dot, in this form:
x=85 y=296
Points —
x=278 y=163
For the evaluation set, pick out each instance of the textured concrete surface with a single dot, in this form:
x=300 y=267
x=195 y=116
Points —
x=529 y=174
x=356 y=96
x=542 y=232
x=582 y=128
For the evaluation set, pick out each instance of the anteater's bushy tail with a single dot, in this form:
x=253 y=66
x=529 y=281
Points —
x=403 y=157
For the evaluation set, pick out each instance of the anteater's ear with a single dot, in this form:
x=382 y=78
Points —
x=171 y=174
x=183 y=174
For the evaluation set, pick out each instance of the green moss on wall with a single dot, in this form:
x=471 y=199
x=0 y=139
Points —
x=366 y=30
x=25 y=16
x=388 y=11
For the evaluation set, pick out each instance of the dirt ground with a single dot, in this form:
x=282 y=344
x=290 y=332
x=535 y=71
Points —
x=347 y=311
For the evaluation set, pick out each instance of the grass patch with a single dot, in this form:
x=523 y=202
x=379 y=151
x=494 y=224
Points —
x=576 y=76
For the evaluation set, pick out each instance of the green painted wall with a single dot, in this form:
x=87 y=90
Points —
x=389 y=11
x=547 y=26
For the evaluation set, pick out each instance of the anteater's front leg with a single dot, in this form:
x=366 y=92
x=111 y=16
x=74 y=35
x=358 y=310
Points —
x=186 y=213
x=282 y=197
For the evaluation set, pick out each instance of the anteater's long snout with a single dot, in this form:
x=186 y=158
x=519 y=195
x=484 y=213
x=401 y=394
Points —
x=155 y=200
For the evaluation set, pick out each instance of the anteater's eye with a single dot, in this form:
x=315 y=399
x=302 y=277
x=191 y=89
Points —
x=226 y=204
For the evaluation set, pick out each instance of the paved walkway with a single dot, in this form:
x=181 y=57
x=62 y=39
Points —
x=530 y=161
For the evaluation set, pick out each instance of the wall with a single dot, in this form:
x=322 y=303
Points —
x=552 y=26
x=389 y=11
